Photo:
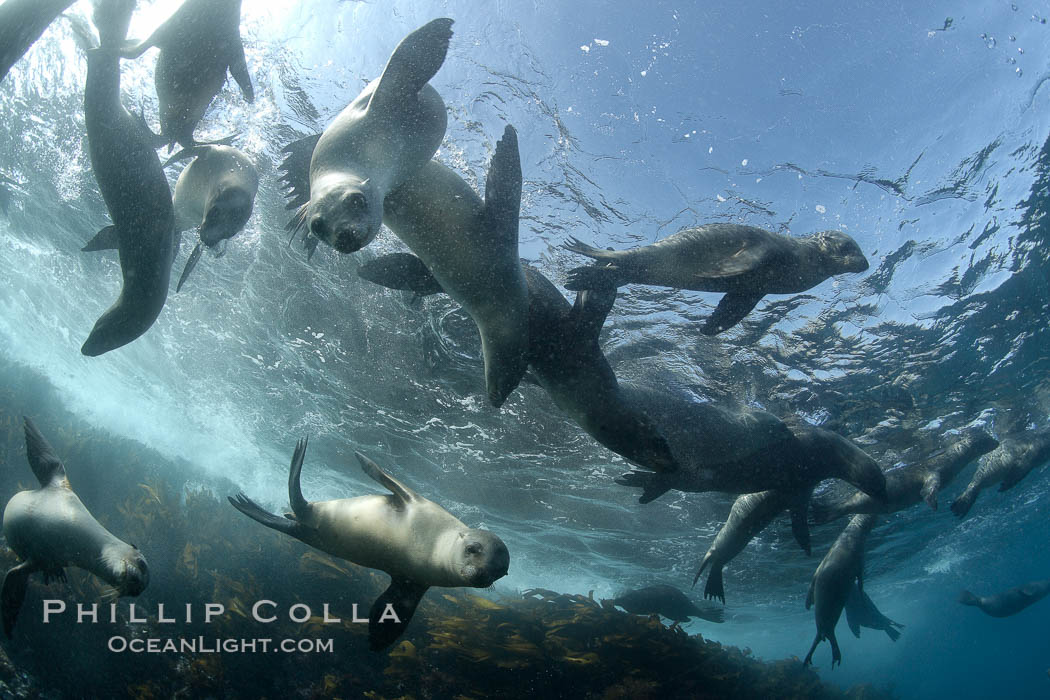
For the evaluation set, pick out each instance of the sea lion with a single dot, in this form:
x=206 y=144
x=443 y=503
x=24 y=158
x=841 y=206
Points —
x=416 y=541
x=861 y=612
x=738 y=449
x=49 y=528
x=750 y=514
x=22 y=22
x=198 y=44
x=745 y=262
x=133 y=186
x=913 y=483
x=469 y=246
x=833 y=579
x=1008 y=602
x=215 y=193
x=1008 y=464
x=664 y=600
x=391 y=130
x=564 y=356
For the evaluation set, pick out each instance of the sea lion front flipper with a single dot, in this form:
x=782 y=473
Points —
x=732 y=308
x=403 y=596
x=402 y=271
x=590 y=309
x=42 y=459
x=239 y=70
x=13 y=594
x=106 y=239
x=191 y=263
x=854 y=603
x=593 y=277
x=300 y=506
x=651 y=487
x=412 y=64
x=930 y=487
x=800 y=528
x=503 y=188
x=405 y=494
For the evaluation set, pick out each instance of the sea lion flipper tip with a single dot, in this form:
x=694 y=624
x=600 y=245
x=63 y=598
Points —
x=46 y=465
x=13 y=594
x=191 y=263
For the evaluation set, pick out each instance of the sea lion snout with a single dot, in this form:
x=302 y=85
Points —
x=136 y=576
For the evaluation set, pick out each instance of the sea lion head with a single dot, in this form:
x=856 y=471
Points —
x=841 y=252
x=227 y=213
x=480 y=557
x=345 y=211
x=127 y=569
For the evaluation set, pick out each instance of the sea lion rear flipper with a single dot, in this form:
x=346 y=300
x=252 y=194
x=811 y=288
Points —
x=812 y=648
x=412 y=64
x=13 y=594
x=836 y=655
x=715 y=587
x=295 y=171
x=405 y=494
x=589 y=311
x=191 y=263
x=42 y=459
x=403 y=595
x=732 y=308
x=299 y=504
x=503 y=188
x=257 y=513
x=400 y=271
x=105 y=239
x=930 y=487
x=239 y=71
x=853 y=605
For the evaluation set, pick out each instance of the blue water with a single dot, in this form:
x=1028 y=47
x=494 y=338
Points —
x=928 y=145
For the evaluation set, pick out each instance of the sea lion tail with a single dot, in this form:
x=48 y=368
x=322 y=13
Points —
x=967 y=598
x=257 y=513
x=962 y=504
x=13 y=594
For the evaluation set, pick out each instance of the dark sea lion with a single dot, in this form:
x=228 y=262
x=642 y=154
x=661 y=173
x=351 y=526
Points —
x=834 y=578
x=564 y=356
x=133 y=186
x=468 y=245
x=22 y=22
x=215 y=193
x=664 y=600
x=750 y=514
x=745 y=262
x=1007 y=464
x=390 y=131
x=1008 y=602
x=737 y=449
x=198 y=45
x=416 y=541
x=49 y=529
x=861 y=612
x=913 y=483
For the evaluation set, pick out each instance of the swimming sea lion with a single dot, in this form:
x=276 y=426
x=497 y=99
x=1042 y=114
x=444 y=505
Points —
x=564 y=356
x=133 y=186
x=861 y=612
x=833 y=579
x=198 y=44
x=745 y=262
x=215 y=193
x=469 y=246
x=913 y=483
x=1008 y=464
x=750 y=514
x=1008 y=602
x=22 y=22
x=49 y=528
x=391 y=130
x=738 y=449
x=416 y=541
x=664 y=600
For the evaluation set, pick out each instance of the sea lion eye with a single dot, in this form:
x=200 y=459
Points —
x=474 y=548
